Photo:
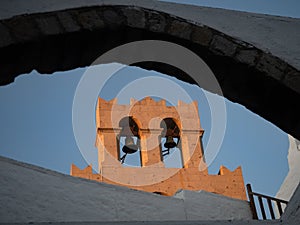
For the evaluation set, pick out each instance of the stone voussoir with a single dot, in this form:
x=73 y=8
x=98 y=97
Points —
x=112 y=17
x=88 y=19
x=272 y=66
x=23 y=28
x=180 y=29
x=67 y=22
x=292 y=78
x=156 y=22
x=201 y=35
x=249 y=56
x=6 y=38
x=134 y=17
x=221 y=45
x=48 y=25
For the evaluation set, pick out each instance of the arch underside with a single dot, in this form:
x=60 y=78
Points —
x=68 y=39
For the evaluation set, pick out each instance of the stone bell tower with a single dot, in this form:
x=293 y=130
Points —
x=150 y=129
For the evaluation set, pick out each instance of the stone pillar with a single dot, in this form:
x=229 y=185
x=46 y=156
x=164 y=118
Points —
x=151 y=155
x=108 y=149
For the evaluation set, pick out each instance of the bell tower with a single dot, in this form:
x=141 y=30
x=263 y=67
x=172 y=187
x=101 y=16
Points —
x=151 y=129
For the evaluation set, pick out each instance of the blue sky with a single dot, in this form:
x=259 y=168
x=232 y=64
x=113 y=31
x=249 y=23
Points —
x=36 y=118
x=289 y=8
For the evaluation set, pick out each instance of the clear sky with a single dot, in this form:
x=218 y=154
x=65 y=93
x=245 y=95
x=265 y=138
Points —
x=36 y=118
x=289 y=8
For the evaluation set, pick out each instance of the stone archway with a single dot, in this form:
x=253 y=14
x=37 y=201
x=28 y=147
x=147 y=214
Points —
x=66 y=39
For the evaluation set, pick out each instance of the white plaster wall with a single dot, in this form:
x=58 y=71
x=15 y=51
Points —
x=291 y=215
x=292 y=179
x=30 y=193
x=199 y=204
x=33 y=194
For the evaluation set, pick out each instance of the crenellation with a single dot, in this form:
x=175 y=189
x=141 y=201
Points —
x=152 y=175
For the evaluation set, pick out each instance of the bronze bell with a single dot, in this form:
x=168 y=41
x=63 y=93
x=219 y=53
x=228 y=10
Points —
x=170 y=143
x=129 y=147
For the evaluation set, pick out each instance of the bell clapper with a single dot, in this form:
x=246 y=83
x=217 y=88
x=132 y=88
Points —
x=166 y=152
x=123 y=158
x=129 y=148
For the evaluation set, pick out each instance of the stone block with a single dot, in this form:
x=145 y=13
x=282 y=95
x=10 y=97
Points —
x=292 y=79
x=180 y=29
x=67 y=21
x=272 y=66
x=201 y=35
x=112 y=17
x=156 y=22
x=89 y=20
x=6 y=39
x=248 y=56
x=134 y=17
x=23 y=28
x=223 y=46
x=48 y=25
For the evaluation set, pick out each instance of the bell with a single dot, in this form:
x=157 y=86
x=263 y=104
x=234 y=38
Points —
x=170 y=143
x=129 y=146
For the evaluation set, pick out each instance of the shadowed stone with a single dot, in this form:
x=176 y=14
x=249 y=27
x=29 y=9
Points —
x=247 y=56
x=111 y=17
x=68 y=23
x=223 y=46
x=23 y=28
x=6 y=38
x=90 y=20
x=156 y=22
x=272 y=66
x=180 y=29
x=201 y=35
x=140 y=23
x=135 y=17
x=292 y=79
x=48 y=25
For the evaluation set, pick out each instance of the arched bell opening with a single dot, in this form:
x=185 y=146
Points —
x=170 y=144
x=129 y=142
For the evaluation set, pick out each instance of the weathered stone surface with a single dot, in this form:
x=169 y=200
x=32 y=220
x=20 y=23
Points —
x=292 y=79
x=247 y=56
x=156 y=22
x=272 y=66
x=68 y=23
x=201 y=35
x=180 y=29
x=48 y=25
x=135 y=17
x=111 y=17
x=23 y=28
x=5 y=37
x=222 y=46
x=89 y=20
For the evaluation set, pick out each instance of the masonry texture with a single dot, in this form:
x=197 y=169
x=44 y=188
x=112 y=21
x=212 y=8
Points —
x=67 y=38
x=255 y=64
x=152 y=176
